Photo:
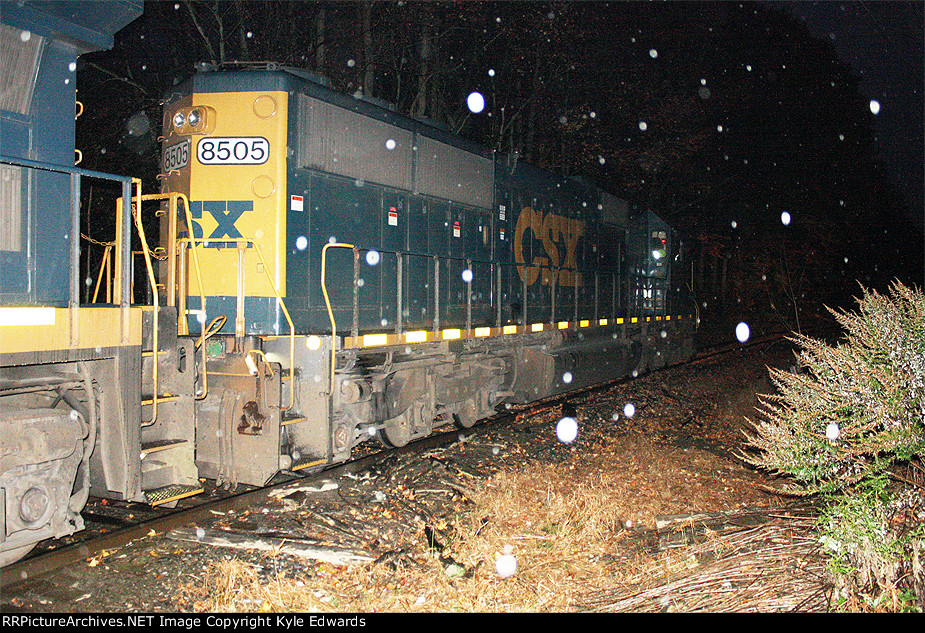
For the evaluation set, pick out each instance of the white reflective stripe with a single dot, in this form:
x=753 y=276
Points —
x=375 y=339
x=418 y=336
x=27 y=316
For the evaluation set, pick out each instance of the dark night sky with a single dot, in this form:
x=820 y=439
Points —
x=883 y=41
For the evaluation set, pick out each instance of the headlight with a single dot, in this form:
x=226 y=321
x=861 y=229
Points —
x=198 y=119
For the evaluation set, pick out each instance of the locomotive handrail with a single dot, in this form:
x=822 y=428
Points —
x=550 y=318
x=182 y=325
x=327 y=302
x=243 y=243
x=613 y=311
x=76 y=173
x=155 y=342
x=104 y=272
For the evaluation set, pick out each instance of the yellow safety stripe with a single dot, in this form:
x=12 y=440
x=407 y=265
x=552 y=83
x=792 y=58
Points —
x=381 y=339
x=46 y=329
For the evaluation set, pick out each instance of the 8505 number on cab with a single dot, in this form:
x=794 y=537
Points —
x=176 y=156
x=233 y=150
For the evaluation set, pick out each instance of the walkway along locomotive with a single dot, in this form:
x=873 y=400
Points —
x=327 y=270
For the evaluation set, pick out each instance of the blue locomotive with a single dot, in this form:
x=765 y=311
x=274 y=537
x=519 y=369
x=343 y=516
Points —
x=326 y=271
x=68 y=372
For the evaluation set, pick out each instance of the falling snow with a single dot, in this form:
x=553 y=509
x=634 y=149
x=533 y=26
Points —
x=567 y=430
x=742 y=332
x=475 y=102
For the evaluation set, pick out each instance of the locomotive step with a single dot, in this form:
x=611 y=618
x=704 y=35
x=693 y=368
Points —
x=287 y=420
x=158 y=445
x=166 y=397
x=167 y=494
x=307 y=462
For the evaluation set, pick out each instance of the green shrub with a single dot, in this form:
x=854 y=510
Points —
x=857 y=406
x=874 y=556
x=854 y=411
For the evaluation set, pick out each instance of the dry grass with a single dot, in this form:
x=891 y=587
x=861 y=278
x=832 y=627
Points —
x=772 y=568
x=576 y=531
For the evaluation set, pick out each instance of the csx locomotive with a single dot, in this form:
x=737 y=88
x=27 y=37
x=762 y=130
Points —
x=326 y=271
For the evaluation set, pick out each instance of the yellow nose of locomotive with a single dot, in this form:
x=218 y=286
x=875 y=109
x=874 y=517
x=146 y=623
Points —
x=226 y=152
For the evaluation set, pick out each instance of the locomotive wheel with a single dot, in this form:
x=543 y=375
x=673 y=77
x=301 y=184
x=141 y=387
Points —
x=396 y=432
x=12 y=555
x=467 y=415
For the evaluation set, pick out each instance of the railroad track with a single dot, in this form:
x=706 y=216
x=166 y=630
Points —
x=116 y=530
x=94 y=542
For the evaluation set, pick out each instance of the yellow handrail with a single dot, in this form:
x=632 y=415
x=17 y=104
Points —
x=238 y=241
x=172 y=198
x=327 y=302
x=104 y=271
x=202 y=296
x=139 y=226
